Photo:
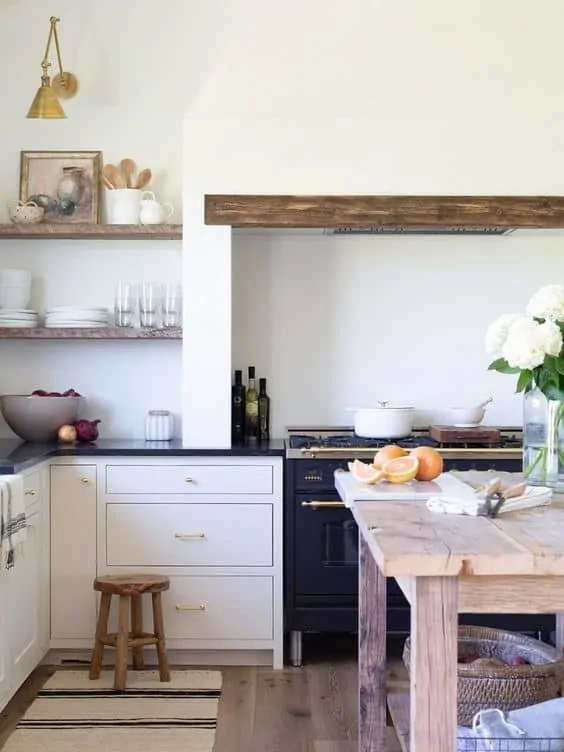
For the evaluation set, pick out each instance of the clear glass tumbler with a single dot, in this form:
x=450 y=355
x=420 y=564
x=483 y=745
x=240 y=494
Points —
x=172 y=306
x=124 y=304
x=149 y=299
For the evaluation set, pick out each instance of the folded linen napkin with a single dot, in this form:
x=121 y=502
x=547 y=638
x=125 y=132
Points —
x=12 y=518
x=533 y=496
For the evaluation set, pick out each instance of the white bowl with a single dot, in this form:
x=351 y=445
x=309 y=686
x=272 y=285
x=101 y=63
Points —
x=15 y=296
x=467 y=417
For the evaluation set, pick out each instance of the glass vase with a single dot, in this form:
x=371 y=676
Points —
x=543 y=440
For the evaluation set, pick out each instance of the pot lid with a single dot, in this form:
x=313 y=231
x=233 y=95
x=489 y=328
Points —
x=383 y=406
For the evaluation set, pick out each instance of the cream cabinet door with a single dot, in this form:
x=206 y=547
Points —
x=5 y=659
x=25 y=614
x=73 y=551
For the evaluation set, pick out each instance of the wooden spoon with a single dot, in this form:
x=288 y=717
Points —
x=127 y=169
x=108 y=176
x=114 y=176
x=144 y=178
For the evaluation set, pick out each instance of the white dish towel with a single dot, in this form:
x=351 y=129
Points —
x=533 y=496
x=12 y=518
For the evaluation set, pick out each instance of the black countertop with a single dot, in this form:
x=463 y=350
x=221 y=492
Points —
x=16 y=455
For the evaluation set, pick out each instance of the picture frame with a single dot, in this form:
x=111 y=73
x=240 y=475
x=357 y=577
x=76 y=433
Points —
x=65 y=183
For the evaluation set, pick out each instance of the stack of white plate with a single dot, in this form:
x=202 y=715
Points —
x=76 y=317
x=18 y=318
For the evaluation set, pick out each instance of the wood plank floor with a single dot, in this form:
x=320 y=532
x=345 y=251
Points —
x=308 y=709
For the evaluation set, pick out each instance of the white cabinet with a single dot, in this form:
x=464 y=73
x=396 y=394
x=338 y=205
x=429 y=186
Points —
x=214 y=525
x=73 y=554
x=24 y=594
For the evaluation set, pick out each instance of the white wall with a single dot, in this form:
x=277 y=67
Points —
x=130 y=58
x=337 y=322
x=377 y=98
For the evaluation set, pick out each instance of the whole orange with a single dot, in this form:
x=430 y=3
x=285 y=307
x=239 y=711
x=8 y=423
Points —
x=430 y=462
x=386 y=453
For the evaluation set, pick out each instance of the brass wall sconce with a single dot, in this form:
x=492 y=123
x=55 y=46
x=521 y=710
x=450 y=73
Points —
x=64 y=85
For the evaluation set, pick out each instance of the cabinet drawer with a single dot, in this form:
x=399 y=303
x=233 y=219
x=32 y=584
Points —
x=189 y=479
x=219 y=608
x=184 y=535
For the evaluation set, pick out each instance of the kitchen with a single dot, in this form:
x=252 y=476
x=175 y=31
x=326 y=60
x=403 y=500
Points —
x=323 y=311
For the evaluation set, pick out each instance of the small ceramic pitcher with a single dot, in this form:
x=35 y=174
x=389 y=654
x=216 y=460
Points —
x=152 y=212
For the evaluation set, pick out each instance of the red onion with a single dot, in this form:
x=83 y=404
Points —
x=87 y=430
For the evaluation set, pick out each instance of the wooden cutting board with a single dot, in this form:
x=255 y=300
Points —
x=454 y=435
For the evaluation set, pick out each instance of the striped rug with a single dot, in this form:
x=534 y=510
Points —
x=72 y=713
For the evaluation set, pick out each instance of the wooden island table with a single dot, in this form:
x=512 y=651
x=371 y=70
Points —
x=445 y=564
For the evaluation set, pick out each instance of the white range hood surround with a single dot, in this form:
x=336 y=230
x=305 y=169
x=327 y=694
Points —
x=303 y=101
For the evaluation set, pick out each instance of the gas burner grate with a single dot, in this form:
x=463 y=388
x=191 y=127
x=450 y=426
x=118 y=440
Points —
x=357 y=442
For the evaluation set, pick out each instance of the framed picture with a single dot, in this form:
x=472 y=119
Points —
x=65 y=183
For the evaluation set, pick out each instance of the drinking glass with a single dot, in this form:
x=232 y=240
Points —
x=172 y=306
x=148 y=304
x=124 y=304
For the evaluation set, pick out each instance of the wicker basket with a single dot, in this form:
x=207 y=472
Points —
x=504 y=687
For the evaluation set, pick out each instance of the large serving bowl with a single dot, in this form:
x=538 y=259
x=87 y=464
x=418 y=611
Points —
x=35 y=418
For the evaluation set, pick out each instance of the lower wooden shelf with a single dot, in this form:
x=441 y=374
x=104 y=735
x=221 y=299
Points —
x=398 y=705
x=107 y=333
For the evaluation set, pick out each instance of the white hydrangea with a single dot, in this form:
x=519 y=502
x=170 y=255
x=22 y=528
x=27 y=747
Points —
x=547 y=303
x=497 y=334
x=528 y=342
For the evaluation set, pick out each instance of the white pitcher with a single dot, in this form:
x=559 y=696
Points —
x=152 y=211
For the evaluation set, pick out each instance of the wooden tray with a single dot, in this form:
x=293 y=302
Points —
x=453 y=435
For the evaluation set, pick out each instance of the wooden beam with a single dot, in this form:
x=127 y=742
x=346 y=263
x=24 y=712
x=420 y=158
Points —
x=386 y=212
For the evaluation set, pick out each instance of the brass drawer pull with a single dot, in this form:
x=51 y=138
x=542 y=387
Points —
x=86 y=481
x=183 y=607
x=323 y=504
x=30 y=492
x=189 y=480
x=190 y=536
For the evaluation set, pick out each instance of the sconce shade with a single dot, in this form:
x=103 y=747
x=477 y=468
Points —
x=45 y=103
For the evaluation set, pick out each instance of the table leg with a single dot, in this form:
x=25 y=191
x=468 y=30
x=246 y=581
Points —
x=434 y=648
x=560 y=633
x=371 y=653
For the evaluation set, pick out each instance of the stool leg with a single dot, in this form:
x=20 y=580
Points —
x=122 y=643
x=158 y=622
x=137 y=631
x=101 y=631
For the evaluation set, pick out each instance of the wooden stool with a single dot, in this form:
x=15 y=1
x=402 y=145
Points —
x=130 y=588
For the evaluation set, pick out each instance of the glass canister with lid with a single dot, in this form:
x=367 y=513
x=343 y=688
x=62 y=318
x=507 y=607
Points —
x=159 y=425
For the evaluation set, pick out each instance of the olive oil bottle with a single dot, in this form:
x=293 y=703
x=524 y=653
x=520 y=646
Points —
x=263 y=412
x=251 y=411
x=238 y=409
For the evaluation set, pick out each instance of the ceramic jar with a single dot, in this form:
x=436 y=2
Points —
x=159 y=425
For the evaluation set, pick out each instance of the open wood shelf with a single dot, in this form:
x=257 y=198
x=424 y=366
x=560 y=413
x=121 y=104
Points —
x=107 y=333
x=386 y=212
x=55 y=231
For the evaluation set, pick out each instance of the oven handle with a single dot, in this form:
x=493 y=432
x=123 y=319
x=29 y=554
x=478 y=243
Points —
x=322 y=504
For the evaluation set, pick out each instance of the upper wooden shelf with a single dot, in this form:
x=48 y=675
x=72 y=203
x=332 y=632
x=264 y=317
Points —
x=56 y=231
x=386 y=212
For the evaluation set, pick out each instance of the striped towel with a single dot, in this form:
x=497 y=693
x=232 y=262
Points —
x=12 y=518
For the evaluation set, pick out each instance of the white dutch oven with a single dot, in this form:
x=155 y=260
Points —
x=385 y=421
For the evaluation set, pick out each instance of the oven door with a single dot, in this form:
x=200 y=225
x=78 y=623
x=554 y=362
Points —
x=326 y=546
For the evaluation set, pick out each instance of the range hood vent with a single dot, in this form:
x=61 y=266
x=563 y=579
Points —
x=455 y=230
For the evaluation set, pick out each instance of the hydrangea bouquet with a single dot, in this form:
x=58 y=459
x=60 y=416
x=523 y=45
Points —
x=530 y=344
